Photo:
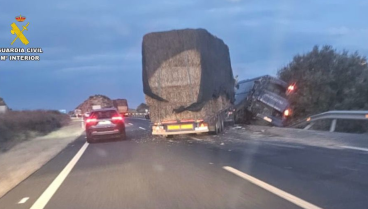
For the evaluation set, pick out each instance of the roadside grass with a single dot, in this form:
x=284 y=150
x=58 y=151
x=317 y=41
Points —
x=18 y=126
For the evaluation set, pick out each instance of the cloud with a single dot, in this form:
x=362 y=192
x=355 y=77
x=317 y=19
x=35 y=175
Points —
x=226 y=10
x=89 y=68
x=250 y=23
x=338 y=31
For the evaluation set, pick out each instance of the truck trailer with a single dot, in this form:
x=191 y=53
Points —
x=188 y=81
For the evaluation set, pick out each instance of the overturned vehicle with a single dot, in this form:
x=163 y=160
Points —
x=262 y=100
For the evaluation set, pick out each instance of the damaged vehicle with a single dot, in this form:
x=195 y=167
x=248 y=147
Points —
x=262 y=100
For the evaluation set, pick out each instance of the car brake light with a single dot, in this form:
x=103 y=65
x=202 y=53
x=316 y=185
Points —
x=91 y=121
x=287 y=112
x=117 y=119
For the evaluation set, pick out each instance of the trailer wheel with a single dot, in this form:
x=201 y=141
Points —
x=217 y=128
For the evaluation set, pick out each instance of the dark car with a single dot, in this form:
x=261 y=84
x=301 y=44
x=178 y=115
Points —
x=147 y=115
x=263 y=99
x=103 y=124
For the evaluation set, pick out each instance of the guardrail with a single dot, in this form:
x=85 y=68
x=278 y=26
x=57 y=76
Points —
x=334 y=115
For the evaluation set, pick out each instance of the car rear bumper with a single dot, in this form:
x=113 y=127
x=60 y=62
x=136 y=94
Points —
x=107 y=132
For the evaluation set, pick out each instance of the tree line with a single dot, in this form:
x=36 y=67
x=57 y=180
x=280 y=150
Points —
x=327 y=79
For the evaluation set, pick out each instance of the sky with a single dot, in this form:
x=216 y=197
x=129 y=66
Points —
x=94 y=47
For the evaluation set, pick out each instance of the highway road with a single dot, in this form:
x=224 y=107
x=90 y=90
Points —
x=194 y=171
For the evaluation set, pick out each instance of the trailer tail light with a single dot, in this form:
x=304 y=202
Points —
x=287 y=112
x=203 y=125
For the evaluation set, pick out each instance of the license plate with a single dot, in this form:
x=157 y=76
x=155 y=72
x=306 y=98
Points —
x=106 y=122
x=186 y=126
x=179 y=127
x=173 y=127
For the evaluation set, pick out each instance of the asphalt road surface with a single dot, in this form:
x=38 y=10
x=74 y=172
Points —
x=192 y=172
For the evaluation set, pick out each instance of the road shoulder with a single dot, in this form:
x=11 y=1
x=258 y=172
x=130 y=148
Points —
x=27 y=157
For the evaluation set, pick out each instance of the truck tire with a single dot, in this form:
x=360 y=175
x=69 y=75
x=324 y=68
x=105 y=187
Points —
x=217 y=128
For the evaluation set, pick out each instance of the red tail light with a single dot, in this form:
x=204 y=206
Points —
x=117 y=119
x=91 y=121
x=287 y=112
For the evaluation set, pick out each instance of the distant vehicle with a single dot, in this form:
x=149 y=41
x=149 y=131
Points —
x=121 y=105
x=147 y=115
x=78 y=113
x=262 y=99
x=105 y=123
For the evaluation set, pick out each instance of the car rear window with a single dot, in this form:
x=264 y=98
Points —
x=104 y=114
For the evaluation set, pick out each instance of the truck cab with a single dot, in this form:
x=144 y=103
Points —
x=262 y=99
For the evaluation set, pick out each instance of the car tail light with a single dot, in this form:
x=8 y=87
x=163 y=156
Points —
x=117 y=119
x=91 y=121
x=287 y=112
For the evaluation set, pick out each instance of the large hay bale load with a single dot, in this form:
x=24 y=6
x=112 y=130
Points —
x=96 y=100
x=121 y=105
x=186 y=75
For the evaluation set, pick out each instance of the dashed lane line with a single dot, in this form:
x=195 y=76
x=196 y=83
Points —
x=23 y=200
x=54 y=186
x=355 y=148
x=287 y=196
x=142 y=128
x=285 y=145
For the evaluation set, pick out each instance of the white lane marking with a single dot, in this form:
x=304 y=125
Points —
x=291 y=198
x=53 y=187
x=131 y=124
x=285 y=145
x=347 y=168
x=355 y=148
x=23 y=200
x=142 y=128
x=196 y=139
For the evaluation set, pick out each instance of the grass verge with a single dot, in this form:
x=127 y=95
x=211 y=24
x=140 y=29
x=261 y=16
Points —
x=18 y=126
